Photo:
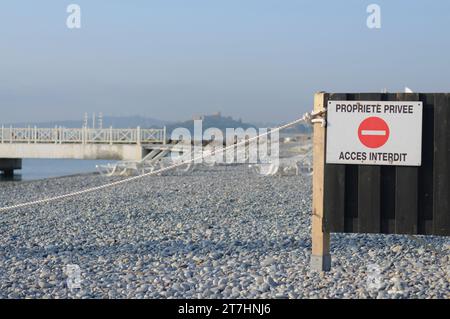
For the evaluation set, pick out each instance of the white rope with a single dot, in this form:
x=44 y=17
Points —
x=306 y=118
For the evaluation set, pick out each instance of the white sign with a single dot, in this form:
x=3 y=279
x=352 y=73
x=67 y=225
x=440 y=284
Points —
x=374 y=133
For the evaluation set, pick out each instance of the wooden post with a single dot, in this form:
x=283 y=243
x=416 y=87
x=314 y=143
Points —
x=320 y=258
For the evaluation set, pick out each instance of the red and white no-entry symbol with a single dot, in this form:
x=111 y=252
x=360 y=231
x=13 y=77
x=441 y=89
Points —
x=373 y=132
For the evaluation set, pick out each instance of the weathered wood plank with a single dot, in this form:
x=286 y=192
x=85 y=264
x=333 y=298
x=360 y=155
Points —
x=369 y=217
x=334 y=207
x=351 y=191
x=425 y=209
x=387 y=197
x=406 y=190
x=387 y=191
x=441 y=209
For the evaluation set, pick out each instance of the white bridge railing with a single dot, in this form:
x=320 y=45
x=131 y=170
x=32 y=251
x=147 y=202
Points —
x=62 y=135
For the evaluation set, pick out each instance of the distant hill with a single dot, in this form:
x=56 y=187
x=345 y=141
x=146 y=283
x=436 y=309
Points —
x=296 y=129
x=264 y=124
x=210 y=121
x=299 y=128
x=214 y=120
x=114 y=121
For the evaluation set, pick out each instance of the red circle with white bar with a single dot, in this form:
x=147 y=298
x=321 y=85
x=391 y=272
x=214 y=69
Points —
x=373 y=132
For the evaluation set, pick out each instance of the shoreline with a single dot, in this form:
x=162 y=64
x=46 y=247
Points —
x=49 y=178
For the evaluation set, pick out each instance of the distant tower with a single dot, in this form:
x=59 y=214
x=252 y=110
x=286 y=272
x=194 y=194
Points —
x=93 y=120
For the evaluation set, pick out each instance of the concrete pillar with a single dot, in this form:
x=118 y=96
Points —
x=8 y=165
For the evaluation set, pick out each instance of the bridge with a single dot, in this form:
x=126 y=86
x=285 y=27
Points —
x=75 y=143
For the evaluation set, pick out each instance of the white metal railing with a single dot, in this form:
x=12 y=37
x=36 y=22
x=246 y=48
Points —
x=62 y=135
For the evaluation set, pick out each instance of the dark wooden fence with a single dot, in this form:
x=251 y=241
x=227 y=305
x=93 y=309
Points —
x=394 y=199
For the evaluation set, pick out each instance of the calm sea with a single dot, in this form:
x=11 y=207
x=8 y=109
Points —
x=33 y=169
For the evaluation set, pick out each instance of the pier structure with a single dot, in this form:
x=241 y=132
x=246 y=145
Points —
x=75 y=143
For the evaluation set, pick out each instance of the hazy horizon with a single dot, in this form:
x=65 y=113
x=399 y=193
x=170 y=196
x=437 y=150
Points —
x=259 y=60
x=130 y=116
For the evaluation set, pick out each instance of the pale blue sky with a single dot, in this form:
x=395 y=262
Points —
x=256 y=59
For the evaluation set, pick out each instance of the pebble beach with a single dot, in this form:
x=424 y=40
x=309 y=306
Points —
x=216 y=232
